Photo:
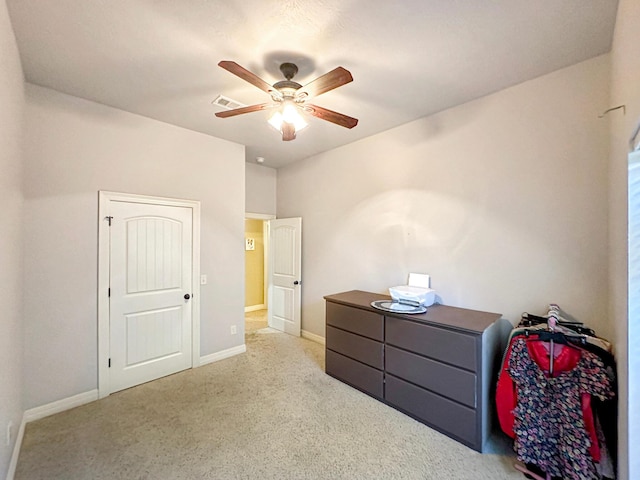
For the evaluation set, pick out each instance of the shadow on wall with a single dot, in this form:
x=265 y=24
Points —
x=476 y=257
x=409 y=226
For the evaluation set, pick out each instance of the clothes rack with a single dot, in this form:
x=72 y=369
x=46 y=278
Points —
x=570 y=365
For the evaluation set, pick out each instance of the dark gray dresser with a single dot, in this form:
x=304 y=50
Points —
x=438 y=367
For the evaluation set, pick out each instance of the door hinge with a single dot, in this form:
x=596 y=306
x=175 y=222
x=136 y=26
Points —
x=109 y=220
x=109 y=363
x=109 y=292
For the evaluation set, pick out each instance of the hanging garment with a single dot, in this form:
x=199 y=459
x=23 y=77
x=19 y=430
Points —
x=606 y=411
x=506 y=397
x=549 y=425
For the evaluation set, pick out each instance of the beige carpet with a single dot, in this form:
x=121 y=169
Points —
x=270 y=413
x=255 y=320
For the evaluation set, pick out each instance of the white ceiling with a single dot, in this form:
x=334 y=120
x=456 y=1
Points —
x=409 y=59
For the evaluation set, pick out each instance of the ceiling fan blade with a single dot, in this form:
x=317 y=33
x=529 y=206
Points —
x=330 y=116
x=334 y=79
x=241 y=110
x=288 y=131
x=246 y=75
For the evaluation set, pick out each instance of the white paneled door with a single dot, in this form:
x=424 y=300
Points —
x=285 y=270
x=150 y=323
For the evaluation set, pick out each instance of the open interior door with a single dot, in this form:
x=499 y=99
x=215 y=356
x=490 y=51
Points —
x=285 y=273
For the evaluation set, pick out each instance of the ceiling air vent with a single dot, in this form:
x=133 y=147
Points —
x=226 y=102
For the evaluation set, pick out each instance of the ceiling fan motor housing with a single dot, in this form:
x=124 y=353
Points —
x=287 y=87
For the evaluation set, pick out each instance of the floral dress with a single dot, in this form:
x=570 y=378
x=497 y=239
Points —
x=549 y=424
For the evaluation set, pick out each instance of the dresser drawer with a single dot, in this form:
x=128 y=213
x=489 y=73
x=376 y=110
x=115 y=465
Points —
x=354 y=373
x=359 y=348
x=438 y=343
x=445 y=415
x=356 y=320
x=446 y=380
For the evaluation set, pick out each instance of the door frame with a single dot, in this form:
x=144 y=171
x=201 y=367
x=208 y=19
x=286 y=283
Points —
x=104 y=261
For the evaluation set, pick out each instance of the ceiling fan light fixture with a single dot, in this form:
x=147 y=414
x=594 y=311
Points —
x=289 y=114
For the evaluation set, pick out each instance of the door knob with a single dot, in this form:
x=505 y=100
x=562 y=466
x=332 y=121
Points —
x=187 y=296
x=297 y=282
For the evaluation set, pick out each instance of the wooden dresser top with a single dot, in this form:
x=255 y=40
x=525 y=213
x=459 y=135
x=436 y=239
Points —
x=453 y=317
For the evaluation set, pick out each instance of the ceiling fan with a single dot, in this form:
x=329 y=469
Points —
x=289 y=98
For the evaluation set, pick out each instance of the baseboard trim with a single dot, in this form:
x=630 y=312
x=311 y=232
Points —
x=255 y=308
x=229 y=352
x=60 y=406
x=13 y=463
x=313 y=337
x=44 y=411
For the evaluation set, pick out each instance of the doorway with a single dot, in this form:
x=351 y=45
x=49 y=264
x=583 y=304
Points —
x=280 y=272
x=256 y=305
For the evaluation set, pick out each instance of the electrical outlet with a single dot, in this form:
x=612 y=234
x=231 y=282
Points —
x=233 y=330
x=203 y=279
x=9 y=433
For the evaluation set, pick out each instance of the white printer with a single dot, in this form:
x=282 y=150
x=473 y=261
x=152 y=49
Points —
x=417 y=293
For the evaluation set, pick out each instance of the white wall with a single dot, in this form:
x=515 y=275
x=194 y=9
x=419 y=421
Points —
x=260 y=189
x=75 y=148
x=502 y=200
x=625 y=90
x=11 y=343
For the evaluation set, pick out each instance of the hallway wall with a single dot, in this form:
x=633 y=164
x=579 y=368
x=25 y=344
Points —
x=260 y=189
x=254 y=264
